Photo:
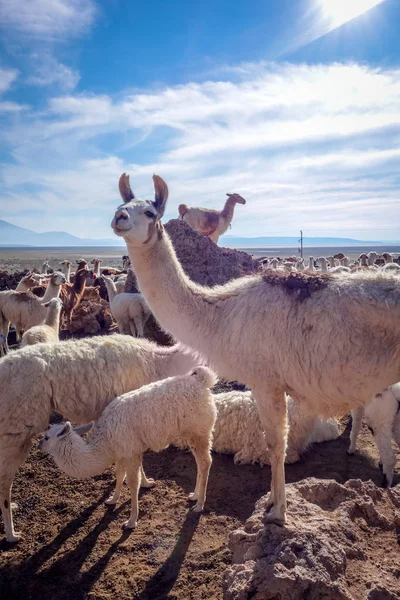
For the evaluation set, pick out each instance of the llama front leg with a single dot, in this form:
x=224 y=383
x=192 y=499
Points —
x=133 y=479
x=356 y=424
x=201 y=451
x=8 y=468
x=383 y=439
x=273 y=414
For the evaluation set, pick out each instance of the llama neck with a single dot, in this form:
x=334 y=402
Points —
x=182 y=307
x=80 y=282
x=80 y=459
x=228 y=210
x=22 y=286
x=66 y=271
x=111 y=289
x=52 y=291
x=174 y=361
x=96 y=269
x=53 y=318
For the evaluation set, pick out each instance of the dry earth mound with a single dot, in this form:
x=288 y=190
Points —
x=340 y=543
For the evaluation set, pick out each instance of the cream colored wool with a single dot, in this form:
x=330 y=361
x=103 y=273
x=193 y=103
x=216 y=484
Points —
x=330 y=342
x=150 y=418
x=77 y=379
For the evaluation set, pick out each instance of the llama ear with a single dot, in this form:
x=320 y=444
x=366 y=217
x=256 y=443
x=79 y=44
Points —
x=160 y=195
x=82 y=429
x=66 y=429
x=125 y=188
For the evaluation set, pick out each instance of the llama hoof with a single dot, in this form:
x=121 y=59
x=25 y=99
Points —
x=149 y=483
x=350 y=451
x=14 y=538
x=111 y=501
x=192 y=497
x=197 y=509
x=387 y=483
x=272 y=518
x=129 y=525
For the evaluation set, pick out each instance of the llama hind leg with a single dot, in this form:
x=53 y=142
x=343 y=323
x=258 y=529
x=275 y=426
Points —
x=133 y=480
x=201 y=451
x=120 y=476
x=146 y=482
x=273 y=414
x=356 y=424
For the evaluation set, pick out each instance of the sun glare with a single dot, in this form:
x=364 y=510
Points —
x=341 y=11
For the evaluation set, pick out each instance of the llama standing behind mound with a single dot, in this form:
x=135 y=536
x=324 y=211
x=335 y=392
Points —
x=150 y=418
x=211 y=223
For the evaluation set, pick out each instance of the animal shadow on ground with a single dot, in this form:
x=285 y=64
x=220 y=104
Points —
x=166 y=576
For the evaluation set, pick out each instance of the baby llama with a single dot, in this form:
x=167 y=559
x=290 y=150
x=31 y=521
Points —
x=150 y=418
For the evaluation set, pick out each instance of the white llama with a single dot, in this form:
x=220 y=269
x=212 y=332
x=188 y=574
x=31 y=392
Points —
x=306 y=335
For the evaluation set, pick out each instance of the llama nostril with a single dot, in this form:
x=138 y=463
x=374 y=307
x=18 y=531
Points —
x=122 y=216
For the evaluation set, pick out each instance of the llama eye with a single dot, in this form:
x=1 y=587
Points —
x=46 y=438
x=149 y=214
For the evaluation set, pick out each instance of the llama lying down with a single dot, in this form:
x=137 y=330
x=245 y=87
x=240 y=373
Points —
x=238 y=429
x=150 y=418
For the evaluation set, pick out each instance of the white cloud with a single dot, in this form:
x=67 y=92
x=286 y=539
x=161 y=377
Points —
x=48 y=71
x=47 y=19
x=7 y=77
x=312 y=147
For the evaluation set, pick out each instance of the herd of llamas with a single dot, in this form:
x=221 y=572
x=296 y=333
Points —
x=295 y=335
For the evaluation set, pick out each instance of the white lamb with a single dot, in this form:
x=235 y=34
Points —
x=77 y=379
x=382 y=416
x=238 y=429
x=129 y=310
x=150 y=418
x=49 y=331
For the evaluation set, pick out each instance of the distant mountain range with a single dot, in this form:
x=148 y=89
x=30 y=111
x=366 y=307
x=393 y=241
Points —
x=12 y=235
x=289 y=242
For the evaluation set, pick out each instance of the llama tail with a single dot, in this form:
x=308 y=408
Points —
x=205 y=376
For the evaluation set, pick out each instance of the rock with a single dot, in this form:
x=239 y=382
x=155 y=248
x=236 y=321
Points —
x=324 y=550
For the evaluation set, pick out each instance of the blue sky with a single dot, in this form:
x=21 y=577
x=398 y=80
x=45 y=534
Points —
x=293 y=104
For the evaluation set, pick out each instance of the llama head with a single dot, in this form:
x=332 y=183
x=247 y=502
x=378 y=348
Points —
x=58 y=278
x=237 y=198
x=53 y=436
x=54 y=303
x=57 y=433
x=137 y=221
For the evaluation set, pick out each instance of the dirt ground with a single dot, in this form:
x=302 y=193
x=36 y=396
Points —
x=74 y=547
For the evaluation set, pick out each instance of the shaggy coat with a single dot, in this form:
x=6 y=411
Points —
x=150 y=418
x=71 y=294
x=330 y=342
x=77 y=379
x=238 y=429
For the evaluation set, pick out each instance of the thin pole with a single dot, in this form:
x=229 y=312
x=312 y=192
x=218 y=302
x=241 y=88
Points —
x=301 y=243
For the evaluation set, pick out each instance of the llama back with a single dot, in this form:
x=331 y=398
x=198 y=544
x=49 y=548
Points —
x=155 y=413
